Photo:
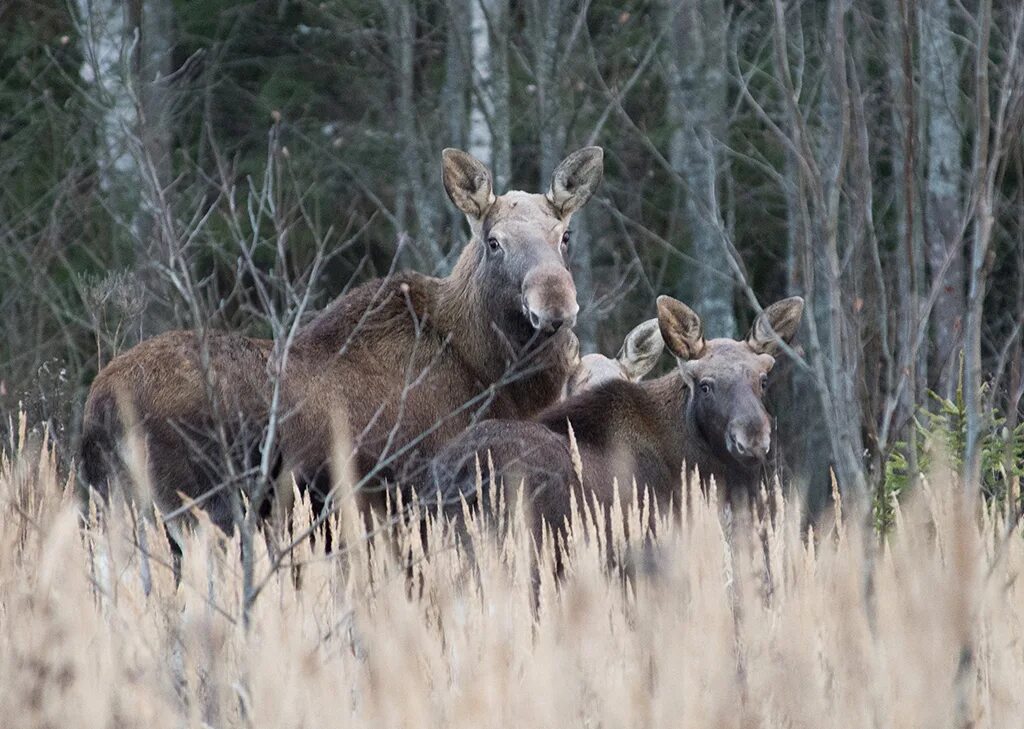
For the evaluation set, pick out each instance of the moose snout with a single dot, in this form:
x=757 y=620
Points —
x=747 y=444
x=549 y=299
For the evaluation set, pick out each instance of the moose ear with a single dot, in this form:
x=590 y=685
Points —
x=641 y=349
x=778 y=321
x=576 y=179
x=467 y=182
x=680 y=328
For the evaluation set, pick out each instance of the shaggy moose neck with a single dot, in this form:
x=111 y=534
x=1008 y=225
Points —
x=535 y=375
x=462 y=312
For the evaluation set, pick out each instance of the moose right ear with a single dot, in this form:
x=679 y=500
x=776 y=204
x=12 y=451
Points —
x=681 y=328
x=468 y=182
x=575 y=180
x=641 y=349
x=779 y=321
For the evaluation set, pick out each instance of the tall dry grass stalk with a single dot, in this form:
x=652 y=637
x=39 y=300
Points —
x=728 y=624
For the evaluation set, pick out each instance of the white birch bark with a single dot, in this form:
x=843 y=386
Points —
x=940 y=82
x=416 y=183
x=545 y=28
x=697 y=115
x=106 y=43
x=453 y=99
x=488 y=134
x=126 y=48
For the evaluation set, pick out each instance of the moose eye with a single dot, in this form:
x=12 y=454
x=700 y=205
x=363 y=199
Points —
x=565 y=238
x=764 y=382
x=706 y=386
x=493 y=244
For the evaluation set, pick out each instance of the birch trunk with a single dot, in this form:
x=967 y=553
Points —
x=547 y=25
x=545 y=28
x=105 y=41
x=820 y=152
x=940 y=80
x=488 y=134
x=453 y=99
x=697 y=116
x=415 y=184
x=126 y=47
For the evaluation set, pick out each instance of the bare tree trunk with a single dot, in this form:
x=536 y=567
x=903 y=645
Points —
x=821 y=161
x=990 y=149
x=695 y=59
x=911 y=259
x=940 y=88
x=801 y=422
x=106 y=39
x=545 y=28
x=126 y=46
x=979 y=264
x=453 y=99
x=488 y=116
x=547 y=23
x=416 y=182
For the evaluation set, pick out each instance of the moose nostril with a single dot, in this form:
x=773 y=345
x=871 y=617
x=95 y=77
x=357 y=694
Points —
x=556 y=324
x=534 y=320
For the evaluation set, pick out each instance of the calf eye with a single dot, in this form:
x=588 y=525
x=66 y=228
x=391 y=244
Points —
x=764 y=382
x=706 y=386
x=565 y=239
x=493 y=244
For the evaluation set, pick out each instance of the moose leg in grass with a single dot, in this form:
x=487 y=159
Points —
x=406 y=362
x=707 y=414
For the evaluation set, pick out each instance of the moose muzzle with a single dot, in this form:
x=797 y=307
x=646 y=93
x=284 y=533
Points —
x=549 y=299
x=749 y=441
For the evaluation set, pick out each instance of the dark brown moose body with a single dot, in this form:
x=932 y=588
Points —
x=404 y=363
x=708 y=415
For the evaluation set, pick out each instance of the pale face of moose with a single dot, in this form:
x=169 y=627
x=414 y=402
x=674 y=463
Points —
x=522 y=240
x=727 y=378
x=639 y=353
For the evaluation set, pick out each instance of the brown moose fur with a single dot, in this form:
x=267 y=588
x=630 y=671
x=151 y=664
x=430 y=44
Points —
x=407 y=362
x=625 y=430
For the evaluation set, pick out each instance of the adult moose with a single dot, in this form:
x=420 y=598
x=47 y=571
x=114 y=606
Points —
x=708 y=414
x=406 y=362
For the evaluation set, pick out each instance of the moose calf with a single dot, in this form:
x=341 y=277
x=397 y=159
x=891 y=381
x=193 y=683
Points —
x=640 y=351
x=708 y=413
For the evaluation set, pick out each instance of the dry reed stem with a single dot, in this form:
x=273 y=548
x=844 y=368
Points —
x=366 y=637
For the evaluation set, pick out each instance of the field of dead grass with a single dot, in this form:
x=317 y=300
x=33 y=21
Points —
x=728 y=624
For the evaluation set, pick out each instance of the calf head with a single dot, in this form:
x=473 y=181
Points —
x=522 y=240
x=727 y=378
x=639 y=353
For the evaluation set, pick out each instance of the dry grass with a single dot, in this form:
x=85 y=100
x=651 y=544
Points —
x=717 y=635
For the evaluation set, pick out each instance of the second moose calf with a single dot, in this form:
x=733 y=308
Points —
x=708 y=414
x=640 y=351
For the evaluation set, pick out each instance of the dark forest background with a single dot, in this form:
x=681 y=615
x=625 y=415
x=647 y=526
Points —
x=213 y=163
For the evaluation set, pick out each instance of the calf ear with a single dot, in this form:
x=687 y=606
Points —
x=575 y=180
x=681 y=328
x=641 y=350
x=467 y=182
x=778 y=321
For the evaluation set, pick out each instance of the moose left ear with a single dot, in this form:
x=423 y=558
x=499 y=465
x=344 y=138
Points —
x=576 y=179
x=641 y=350
x=681 y=329
x=780 y=320
x=468 y=182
